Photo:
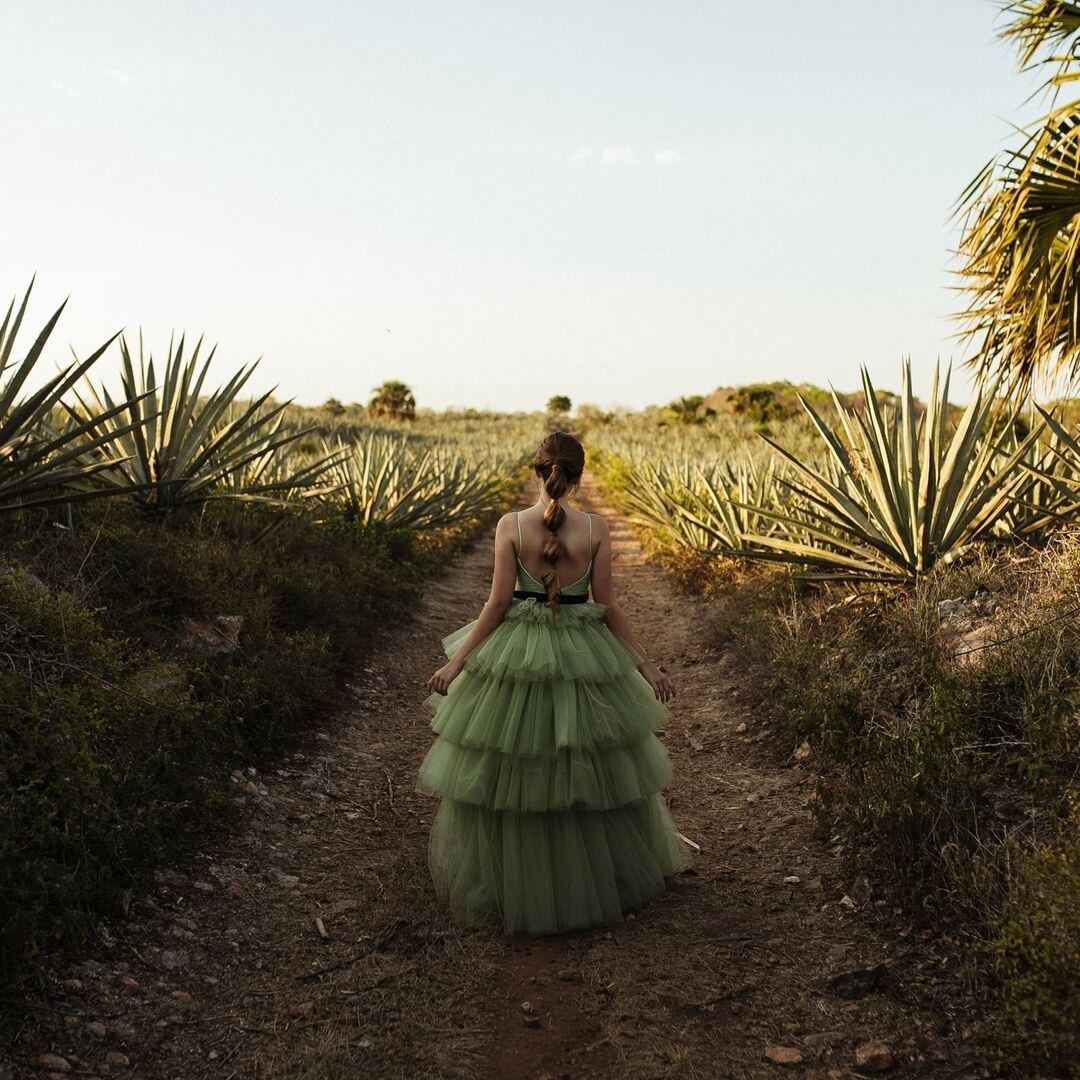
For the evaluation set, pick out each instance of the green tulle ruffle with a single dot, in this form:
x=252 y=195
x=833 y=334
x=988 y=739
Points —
x=550 y=774
x=549 y=873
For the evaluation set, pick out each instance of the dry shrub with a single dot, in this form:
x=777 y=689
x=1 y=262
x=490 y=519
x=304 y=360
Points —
x=959 y=769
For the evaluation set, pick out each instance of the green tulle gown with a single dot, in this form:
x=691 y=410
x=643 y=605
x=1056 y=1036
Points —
x=550 y=774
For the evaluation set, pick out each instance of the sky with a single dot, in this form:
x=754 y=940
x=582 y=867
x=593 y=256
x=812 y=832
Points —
x=497 y=201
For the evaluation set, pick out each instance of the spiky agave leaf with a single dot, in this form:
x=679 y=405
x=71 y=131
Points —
x=725 y=504
x=902 y=493
x=396 y=481
x=42 y=462
x=1056 y=472
x=178 y=443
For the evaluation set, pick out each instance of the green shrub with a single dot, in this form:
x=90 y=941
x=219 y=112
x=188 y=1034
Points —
x=92 y=767
x=1037 y=959
x=116 y=735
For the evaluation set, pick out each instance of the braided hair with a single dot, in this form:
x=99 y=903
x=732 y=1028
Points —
x=559 y=463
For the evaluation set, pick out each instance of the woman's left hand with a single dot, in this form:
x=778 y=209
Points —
x=440 y=682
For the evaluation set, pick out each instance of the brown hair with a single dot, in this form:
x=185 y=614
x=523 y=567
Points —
x=559 y=462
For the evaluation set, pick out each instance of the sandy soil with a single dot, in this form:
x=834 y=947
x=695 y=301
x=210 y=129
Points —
x=312 y=944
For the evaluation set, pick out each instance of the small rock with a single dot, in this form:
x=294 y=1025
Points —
x=847 y=902
x=288 y=881
x=302 y=1008
x=181 y=995
x=740 y=729
x=234 y=888
x=73 y=985
x=118 y=1029
x=213 y=1055
x=570 y=975
x=791 y=879
x=114 y=1057
x=97 y=1029
x=248 y=788
x=174 y=959
x=803 y=751
x=127 y=984
x=203 y=886
x=783 y=1055
x=55 y=1062
x=873 y=1057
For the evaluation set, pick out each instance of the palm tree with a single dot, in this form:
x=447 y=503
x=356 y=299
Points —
x=1021 y=219
x=393 y=399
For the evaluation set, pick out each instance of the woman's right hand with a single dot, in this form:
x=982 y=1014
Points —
x=658 y=680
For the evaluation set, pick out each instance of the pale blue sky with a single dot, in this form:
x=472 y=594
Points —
x=363 y=190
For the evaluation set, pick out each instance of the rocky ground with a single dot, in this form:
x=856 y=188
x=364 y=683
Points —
x=311 y=945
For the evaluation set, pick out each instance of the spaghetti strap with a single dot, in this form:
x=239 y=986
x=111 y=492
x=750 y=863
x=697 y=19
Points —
x=592 y=554
x=517 y=514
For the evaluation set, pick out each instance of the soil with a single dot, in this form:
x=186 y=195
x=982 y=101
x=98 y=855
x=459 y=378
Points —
x=312 y=945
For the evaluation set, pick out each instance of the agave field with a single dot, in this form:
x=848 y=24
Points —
x=883 y=489
x=166 y=441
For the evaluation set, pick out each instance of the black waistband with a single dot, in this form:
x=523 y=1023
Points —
x=528 y=594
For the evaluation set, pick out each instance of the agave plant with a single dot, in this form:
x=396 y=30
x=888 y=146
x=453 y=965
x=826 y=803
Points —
x=381 y=478
x=180 y=446
x=648 y=494
x=900 y=492
x=42 y=462
x=1055 y=475
x=726 y=506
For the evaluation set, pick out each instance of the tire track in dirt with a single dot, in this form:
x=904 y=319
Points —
x=221 y=969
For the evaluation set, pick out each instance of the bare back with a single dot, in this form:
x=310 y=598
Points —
x=576 y=534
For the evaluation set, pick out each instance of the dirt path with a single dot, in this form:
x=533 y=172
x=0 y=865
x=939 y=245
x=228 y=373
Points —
x=312 y=946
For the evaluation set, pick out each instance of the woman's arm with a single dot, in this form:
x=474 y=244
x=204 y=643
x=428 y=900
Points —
x=603 y=592
x=494 y=611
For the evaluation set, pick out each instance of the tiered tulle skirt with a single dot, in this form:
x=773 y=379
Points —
x=550 y=774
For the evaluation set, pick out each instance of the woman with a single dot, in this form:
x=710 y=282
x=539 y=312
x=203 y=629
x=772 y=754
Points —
x=546 y=759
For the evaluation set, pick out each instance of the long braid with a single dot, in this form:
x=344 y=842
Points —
x=554 y=516
x=559 y=463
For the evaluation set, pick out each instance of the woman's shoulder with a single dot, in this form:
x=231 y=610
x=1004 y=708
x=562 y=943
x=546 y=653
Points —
x=599 y=522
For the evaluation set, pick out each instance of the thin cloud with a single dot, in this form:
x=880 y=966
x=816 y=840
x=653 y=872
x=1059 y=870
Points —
x=67 y=91
x=617 y=155
x=118 y=76
x=582 y=155
x=668 y=157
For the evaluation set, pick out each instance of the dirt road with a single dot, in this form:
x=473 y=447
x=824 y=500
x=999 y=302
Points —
x=312 y=945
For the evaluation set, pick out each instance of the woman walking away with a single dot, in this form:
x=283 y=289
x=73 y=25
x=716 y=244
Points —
x=546 y=759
